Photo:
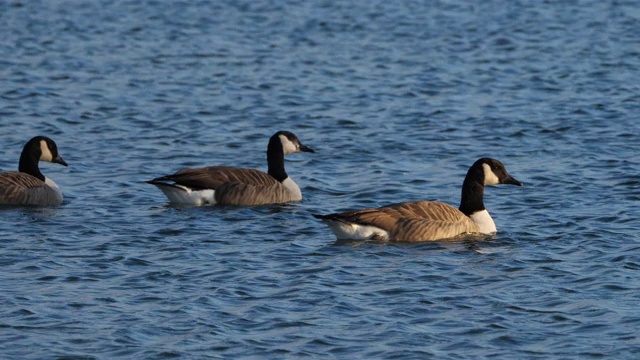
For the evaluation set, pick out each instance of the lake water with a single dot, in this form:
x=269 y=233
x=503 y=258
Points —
x=398 y=99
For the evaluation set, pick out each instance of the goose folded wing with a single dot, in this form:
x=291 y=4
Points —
x=386 y=217
x=428 y=210
x=214 y=176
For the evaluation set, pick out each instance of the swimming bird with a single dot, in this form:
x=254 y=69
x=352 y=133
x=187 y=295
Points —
x=426 y=220
x=226 y=185
x=28 y=186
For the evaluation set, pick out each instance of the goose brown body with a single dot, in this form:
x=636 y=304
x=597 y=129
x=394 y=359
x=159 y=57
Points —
x=233 y=186
x=18 y=188
x=410 y=221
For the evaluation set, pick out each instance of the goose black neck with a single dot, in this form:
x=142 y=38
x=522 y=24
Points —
x=29 y=162
x=275 y=159
x=472 y=198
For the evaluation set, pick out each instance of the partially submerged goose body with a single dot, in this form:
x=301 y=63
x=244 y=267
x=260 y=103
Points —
x=28 y=186
x=426 y=220
x=226 y=185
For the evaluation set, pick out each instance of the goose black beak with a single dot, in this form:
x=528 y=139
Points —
x=305 y=148
x=58 y=160
x=512 y=181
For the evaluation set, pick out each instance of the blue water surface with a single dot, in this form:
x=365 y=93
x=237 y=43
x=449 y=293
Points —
x=398 y=98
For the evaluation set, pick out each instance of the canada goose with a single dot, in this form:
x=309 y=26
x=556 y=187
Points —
x=426 y=220
x=28 y=186
x=225 y=185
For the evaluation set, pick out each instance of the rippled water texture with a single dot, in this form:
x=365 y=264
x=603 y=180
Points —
x=398 y=98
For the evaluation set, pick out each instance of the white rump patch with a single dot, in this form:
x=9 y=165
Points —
x=350 y=231
x=52 y=184
x=45 y=152
x=294 y=189
x=179 y=194
x=490 y=178
x=484 y=222
x=288 y=147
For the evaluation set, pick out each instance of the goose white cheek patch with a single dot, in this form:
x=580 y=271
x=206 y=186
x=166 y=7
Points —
x=288 y=147
x=46 y=153
x=490 y=177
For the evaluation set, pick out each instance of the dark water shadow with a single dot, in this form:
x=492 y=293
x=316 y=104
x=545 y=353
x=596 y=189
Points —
x=471 y=240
